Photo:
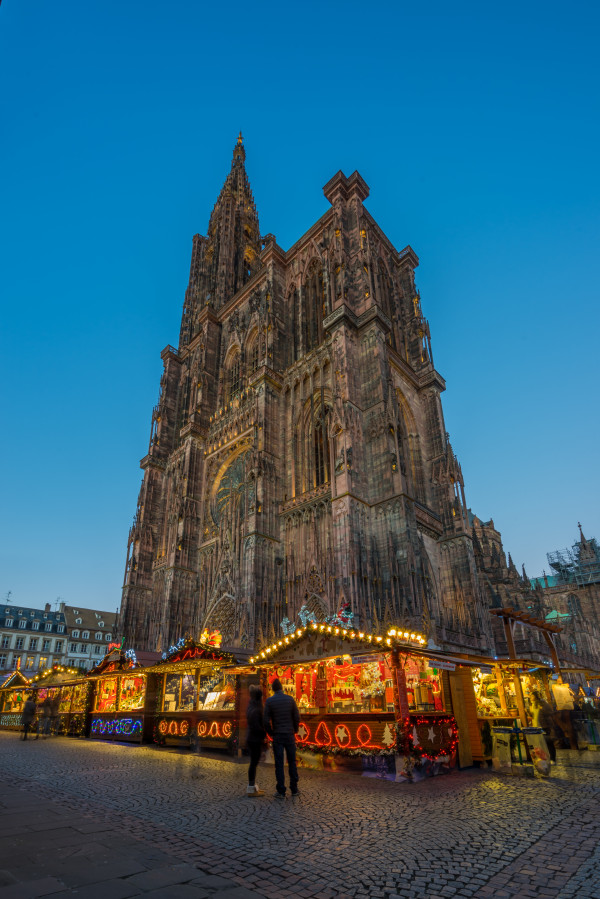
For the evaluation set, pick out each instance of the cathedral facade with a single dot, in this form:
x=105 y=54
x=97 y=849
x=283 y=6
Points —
x=298 y=457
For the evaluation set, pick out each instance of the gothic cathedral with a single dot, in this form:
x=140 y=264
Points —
x=298 y=457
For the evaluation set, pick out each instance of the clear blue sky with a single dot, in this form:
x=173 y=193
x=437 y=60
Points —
x=476 y=127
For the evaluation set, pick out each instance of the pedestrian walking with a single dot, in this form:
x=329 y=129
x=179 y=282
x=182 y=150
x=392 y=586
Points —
x=255 y=739
x=281 y=720
x=542 y=717
x=27 y=715
x=54 y=714
x=44 y=710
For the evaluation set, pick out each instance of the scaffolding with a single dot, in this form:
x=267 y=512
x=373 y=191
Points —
x=579 y=565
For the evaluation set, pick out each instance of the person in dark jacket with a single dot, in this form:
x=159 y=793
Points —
x=255 y=739
x=27 y=716
x=282 y=720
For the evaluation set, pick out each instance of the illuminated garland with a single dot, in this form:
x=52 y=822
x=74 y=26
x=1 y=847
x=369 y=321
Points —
x=187 y=648
x=408 y=745
x=340 y=742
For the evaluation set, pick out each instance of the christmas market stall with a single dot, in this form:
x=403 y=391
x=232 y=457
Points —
x=367 y=701
x=13 y=693
x=507 y=694
x=69 y=693
x=200 y=689
x=501 y=693
x=124 y=697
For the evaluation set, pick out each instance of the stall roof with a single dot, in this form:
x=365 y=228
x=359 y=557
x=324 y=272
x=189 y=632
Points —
x=189 y=651
x=511 y=614
x=57 y=676
x=15 y=679
x=317 y=641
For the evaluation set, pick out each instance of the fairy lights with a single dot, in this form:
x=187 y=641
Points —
x=343 y=633
x=412 y=742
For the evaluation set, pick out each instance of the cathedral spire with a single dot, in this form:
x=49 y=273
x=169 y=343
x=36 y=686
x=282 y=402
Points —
x=224 y=260
x=233 y=245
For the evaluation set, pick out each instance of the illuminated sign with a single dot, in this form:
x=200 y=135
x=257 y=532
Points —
x=219 y=730
x=110 y=727
x=174 y=727
x=441 y=664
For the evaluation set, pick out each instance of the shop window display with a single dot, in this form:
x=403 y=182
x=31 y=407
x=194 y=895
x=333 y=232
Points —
x=217 y=692
x=106 y=698
x=180 y=693
x=65 y=700
x=423 y=686
x=80 y=692
x=13 y=701
x=133 y=691
x=341 y=685
x=487 y=694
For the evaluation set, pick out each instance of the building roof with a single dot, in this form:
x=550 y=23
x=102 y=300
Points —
x=91 y=619
x=18 y=612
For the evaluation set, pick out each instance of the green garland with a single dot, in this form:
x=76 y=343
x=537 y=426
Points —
x=337 y=750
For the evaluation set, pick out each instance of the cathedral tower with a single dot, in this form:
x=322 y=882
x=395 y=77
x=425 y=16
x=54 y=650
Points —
x=298 y=456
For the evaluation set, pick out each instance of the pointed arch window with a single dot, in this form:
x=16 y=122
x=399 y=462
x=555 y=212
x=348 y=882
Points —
x=253 y=353
x=320 y=448
x=233 y=378
x=314 y=307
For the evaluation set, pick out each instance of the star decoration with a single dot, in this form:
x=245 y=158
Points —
x=341 y=733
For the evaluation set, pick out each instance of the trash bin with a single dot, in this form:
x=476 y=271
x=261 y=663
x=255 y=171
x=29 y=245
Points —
x=501 y=758
x=538 y=748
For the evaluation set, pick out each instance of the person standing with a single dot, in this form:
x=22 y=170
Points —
x=281 y=720
x=255 y=739
x=27 y=715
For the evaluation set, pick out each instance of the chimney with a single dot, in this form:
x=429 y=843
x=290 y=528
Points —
x=47 y=607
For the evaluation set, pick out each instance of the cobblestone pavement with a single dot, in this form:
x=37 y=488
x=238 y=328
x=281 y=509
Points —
x=91 y=819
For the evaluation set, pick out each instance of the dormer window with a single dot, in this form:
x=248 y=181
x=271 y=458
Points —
x=100 y=624
x=75 y=634
x=22 y=623
x=48 y=626
x=35 y=625
x=78 y=621
x=86 y=635
x=8 y=622
x=99 y=635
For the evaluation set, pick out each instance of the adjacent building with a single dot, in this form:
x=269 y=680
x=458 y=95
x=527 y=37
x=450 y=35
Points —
x=89 y=634
x=31 y=639
x=34 y=639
